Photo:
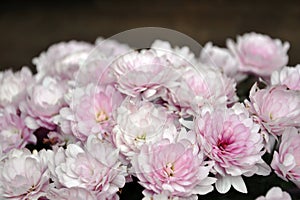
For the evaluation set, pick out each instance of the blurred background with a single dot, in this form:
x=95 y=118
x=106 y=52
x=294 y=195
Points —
x=29 y=27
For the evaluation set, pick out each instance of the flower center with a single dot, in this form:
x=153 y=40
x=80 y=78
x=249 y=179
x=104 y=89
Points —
x=169 y=169
x=101 y=116
x=222 y=144
x=141 y=137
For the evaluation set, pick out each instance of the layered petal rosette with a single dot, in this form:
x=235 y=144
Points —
x=143 y=73
x=90 y=111
x=178 y=56
x=13 y=131
x=231 y=139
x=259 y=54
x=172 y=169
x=13 y=86
x=141 y=122
x=198 y=86
x=286 y=161
x=274 y=108
x=288 y=76
x=275 y=193
x=95 y=167
x=23 y=175
x=43 y=103
x=221 y=58
x=62 y=59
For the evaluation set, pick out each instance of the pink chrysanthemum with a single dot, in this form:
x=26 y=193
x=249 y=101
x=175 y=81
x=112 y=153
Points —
x=13 y=131
x=288 y=76
x=259 y=54
x=286 y=161
x=23 y=175
x=139 y=123
x=90 y=111
x=95 y=167
x=231 y=139
x=173 y=169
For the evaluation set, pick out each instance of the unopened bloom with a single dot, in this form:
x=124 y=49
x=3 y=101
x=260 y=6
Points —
x=13 y=131
x=286 y=161
x=275 y=193
x=274 y=108
x=288 y=76
x=13 y=86
x=95 y=167
x=23 y=175
x=139 y=123
x=259 y=54
x=231 y=139
x=172 y=169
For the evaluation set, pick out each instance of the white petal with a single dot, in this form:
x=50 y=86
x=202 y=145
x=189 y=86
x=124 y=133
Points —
x=238 y=184
x=31 y=123
x=223 y=184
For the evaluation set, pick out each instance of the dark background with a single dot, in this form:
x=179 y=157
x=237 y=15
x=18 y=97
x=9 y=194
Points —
x=27 y=27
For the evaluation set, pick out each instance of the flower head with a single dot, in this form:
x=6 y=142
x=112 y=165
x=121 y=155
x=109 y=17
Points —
x=43 y=102
x=231 y=139
x=288 y=76
x=62 y=59
x=13 y=86
x=274 y=108
x=90 y=111
x=13 y=131
x=259 y=54
x=172 y=169
x=286 y=161
x=95 y=167
x=139 y=123
x=23 y=175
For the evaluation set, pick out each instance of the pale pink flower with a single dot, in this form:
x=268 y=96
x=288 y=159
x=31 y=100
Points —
x=222 y=59
x=90 y=111
x=23 y=175
x=286 y=161
x=177 y=56
x=43 y=102
x=172 y=169
x=259 y=54
x=198 y=87
x=77 y=193
x=275 y=193
x=274 y=108
x=95 y=167
x=111 y=48
x=231 y=139
x=97 y=67
x=13 y=131
x=13 y=86
x=62 y=59
x=143 y=73
x=288 y=76
x=139 y=123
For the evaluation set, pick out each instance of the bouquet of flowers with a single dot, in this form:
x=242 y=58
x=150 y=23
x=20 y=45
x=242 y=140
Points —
x=157 y=123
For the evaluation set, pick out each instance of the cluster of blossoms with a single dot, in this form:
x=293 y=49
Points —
x=98 y=116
